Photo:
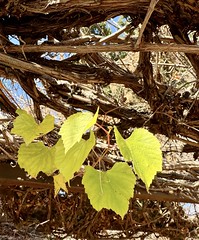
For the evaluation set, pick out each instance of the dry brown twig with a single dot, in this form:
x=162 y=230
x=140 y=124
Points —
x=144 y=24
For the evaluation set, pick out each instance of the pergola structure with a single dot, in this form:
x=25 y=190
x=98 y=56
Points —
x=60 y=66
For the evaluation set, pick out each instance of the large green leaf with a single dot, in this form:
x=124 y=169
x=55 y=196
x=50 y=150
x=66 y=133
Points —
x=35 y=158
x=70 y=162
x=111 y=189
x=143 y=148
x=75 y=126
x=26 y=127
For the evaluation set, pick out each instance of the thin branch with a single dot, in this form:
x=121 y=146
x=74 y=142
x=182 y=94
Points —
x=195 y=144
x=7 y=154
x=115 y=34
x=147 y=17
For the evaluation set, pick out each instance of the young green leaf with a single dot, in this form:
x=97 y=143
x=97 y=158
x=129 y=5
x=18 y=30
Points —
x=111 y=189
x=146 y=155
x=75 y=126
x=122 y=144
x=35 y=158
x=59 y=183
x=70 y=162
x=46 y=125
x=143 y=148
x=26 y=127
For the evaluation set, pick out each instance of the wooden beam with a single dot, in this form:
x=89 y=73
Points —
x=144 y=47
x=10 y=176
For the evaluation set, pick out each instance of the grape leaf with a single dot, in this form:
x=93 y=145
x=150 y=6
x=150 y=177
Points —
x=59 y=183
x=143 y=148
x=70 y=162
x=93 y=121
x=111 y=189
x=122 y=144
x=35 y=158
x=26 y=127
x=75 y=126
x=46 y=125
